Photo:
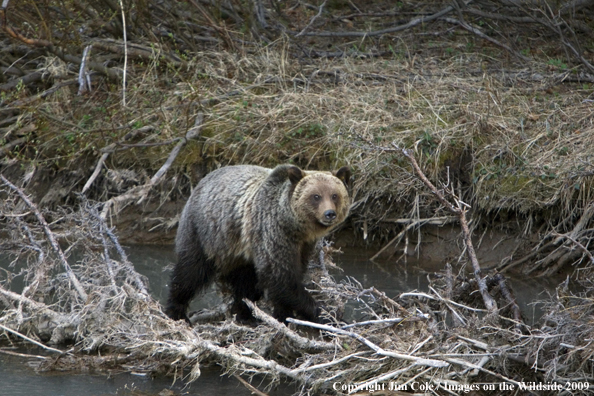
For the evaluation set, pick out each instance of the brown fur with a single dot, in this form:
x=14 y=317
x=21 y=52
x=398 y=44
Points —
x=255 y=229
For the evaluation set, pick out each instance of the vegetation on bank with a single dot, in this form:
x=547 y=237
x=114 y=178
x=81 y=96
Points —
x=510 y=116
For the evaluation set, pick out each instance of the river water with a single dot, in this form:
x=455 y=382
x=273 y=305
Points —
x=18 y=378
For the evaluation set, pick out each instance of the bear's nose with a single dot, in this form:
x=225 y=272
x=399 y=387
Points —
x=330 y=214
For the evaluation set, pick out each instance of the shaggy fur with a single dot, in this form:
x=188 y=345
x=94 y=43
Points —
x=254 y=229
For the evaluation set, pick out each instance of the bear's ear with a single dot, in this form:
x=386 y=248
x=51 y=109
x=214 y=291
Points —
x=344 y=174
x=283 y=172
x=295 y=174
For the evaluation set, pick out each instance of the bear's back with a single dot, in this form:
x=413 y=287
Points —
x=216 y=212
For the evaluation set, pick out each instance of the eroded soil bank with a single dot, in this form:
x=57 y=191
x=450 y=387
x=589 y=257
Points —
x=501 y=243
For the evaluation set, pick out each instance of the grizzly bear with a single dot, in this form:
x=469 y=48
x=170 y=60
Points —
x=253 y=230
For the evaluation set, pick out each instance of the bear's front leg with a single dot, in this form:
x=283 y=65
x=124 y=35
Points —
x=287 y=294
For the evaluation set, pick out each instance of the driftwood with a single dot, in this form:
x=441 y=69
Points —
x=405 y=340
x=557 y=249
x=459 y=209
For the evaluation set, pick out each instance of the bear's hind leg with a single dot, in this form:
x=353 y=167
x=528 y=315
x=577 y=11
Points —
x=244 y=284
x=191 y=275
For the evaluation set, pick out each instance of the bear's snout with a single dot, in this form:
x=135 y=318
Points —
x=330 y=215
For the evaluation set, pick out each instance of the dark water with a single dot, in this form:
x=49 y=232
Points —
x=18 y=378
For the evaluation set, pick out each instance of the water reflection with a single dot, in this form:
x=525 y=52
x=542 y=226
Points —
x=388 y=276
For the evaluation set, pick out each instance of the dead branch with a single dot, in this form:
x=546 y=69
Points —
x=50 y=236
x=300 y=342
x=44 y=94
x=410 y=24
x=25 y=80
x=110 y=149
x=425 y=295
x=577 y=244
x=320 y=10
x=139 y=51
x=500 y=279
x=28 y=339
x=84 y=81
x=557 y=251
x=250 y=387
x=482 y=35
x=141 y=192
x=377 y=349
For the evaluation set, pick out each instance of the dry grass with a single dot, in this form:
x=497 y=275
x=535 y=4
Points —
x=515 y=141
x=514 y=138
x=524 y=137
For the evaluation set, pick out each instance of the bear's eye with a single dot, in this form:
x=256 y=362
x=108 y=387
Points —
x=316 y=197
x=334 y=197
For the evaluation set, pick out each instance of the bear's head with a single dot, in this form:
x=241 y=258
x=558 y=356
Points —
x=320 y=200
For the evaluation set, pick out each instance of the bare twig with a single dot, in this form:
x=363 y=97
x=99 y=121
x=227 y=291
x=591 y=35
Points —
x=376 y=348
x=320 y=10
x=141 y=192
x=50 y=237
x=32 y=341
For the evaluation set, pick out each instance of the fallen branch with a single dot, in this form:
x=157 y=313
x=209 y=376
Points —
x=376 y=348
x=29 y=100
x=410 y=24
x=28 y=339
x=250 y=387
x=484 y=370
x=50 y=237
x=110 y=149
x=302 y=343
x=138 y=51
x=425 y=295
x=505 y=292
x=482 y=35
x=141 y=192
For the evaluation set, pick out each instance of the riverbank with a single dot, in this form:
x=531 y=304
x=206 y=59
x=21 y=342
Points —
x=512 y=140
